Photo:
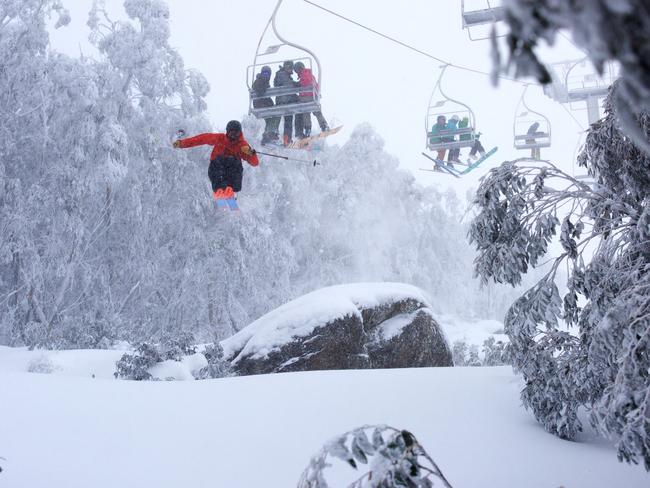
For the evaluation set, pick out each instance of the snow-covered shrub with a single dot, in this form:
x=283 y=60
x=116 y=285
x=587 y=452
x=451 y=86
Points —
x=473 y=358
x=179 y=345
x=135 y=366
x=387 y=456
x=607 y=29
x=493 y=352
x=602 y=359
x=41 y=364
x=217 y=366
x=459 y=351
x=180 y=348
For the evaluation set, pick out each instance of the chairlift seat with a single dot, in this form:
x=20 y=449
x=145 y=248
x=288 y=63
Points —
x=542 y=139
x=275 y=91
x=483 y=16
x=451 y=144
x=288 y=108
x=537 y=145
x=436 y=146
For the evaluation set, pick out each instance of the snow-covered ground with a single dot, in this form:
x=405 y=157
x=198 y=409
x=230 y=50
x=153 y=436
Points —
x=473 y=332
x=68 y=429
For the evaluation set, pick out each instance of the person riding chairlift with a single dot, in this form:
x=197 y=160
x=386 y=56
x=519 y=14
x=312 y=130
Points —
x=261 y=84
x=476 y=147
x=440 y=125
x=303 y=121
x=535 y=152
x=283 y=78
x=454 y=154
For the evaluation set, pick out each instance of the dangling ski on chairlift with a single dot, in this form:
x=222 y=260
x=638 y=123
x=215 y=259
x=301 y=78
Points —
x=454 y=128
x=295 y=99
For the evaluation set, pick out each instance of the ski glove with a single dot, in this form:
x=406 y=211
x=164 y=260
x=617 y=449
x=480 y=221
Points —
x=177 y=144
x=249 y=151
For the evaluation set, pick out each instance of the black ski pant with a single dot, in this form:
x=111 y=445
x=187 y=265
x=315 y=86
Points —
x=454 y=155
x=288 y=119
x=271 y=123
x=288 y=127
x=271 y=128
x=226 y=171
x=477 y=147
x=303 y=121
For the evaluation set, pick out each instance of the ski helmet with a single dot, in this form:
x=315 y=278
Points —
x=266 y=71
x=288 y=65
x=298 y=67
x=233 y=130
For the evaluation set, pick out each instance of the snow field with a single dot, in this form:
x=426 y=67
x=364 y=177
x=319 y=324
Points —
x=69 y=431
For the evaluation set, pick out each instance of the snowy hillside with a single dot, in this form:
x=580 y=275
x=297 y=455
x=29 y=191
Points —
x=77 y=432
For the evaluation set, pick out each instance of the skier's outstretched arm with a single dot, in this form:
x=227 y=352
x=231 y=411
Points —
x=200 y=140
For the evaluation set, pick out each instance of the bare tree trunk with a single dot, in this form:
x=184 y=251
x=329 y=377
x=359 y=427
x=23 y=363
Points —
x=211 y=318
x=15 y=263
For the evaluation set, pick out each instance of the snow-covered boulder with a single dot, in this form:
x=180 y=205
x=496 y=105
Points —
x=355 y=326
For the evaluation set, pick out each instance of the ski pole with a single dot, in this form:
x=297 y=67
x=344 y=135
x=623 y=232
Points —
x=313 y=163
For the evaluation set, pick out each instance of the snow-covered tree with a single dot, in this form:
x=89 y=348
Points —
x=601 y=358
x=83 y=144
x=109 y=233
x=617 y=30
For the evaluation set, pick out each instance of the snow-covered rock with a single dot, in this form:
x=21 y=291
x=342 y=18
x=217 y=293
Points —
x=355 y=326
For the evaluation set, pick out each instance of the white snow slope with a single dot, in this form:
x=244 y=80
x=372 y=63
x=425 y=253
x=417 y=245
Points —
x=69 y=430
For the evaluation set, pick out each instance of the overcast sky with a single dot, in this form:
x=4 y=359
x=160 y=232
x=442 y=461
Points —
x=365 y=78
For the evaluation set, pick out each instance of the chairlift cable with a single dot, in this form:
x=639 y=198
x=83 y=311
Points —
x=412 y=48
x=571 y=42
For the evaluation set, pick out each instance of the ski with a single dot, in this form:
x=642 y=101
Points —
x=226 y=201
x=227 y=205
x=307 y=141
x=279 y=145
x=442 y=167
x=232 y=204
x=476 y=163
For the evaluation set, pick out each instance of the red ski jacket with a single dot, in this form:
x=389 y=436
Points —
x=222 y=146
x=307 y=79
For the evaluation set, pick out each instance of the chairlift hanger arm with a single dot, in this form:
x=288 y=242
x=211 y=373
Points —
x=447 y=98
x=272 y=23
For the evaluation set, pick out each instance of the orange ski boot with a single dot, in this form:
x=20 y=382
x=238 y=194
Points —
x=228 y=193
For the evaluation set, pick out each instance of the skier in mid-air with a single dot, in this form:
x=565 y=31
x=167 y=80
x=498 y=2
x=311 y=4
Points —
x=225 y=170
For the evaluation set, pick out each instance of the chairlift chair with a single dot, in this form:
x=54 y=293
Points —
x=252 y=70
x=441 y=104
x=282 y=109
x=474 y=17
x=524 y=121
x=575 y=82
